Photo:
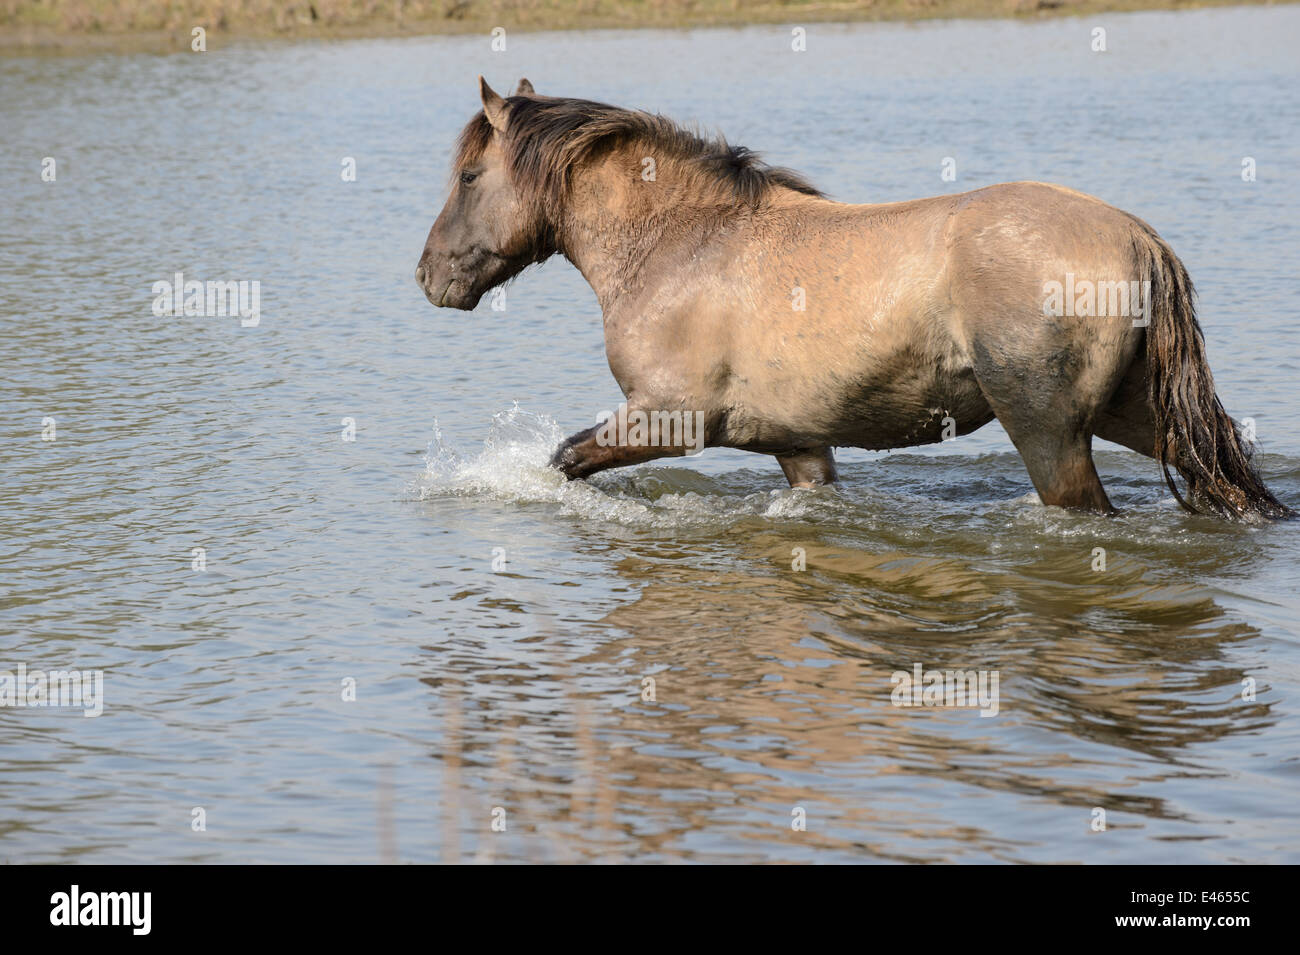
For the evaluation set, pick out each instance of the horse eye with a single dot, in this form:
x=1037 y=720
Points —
x=468 y=177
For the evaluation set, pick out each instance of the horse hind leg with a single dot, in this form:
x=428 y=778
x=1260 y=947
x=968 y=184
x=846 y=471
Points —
x=1060 y=465
x=1054 y=438
x=1127 y=419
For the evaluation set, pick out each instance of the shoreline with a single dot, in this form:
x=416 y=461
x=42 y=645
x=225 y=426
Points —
x=292 y=24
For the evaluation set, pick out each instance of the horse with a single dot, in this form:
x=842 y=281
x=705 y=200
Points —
x=737 y=294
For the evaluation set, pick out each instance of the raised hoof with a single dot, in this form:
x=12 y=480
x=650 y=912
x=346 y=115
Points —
x=565 y=460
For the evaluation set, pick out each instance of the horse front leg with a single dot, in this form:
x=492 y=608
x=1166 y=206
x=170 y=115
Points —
x=808 y=467
x=632 y=436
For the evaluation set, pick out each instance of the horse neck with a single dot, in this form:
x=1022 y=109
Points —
x=615 y=224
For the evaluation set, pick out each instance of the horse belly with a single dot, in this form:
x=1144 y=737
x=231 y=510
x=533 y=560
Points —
x=897 y=398
x=912 y=409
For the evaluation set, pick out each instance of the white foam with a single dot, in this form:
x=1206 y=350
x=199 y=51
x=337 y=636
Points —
x=513 y=466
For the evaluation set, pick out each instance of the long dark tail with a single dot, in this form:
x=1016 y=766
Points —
x=1192 y=431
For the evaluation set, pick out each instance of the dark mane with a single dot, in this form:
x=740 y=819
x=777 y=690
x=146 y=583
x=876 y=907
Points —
x=547 y=137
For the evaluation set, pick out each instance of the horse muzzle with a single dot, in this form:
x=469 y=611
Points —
x=446 y=291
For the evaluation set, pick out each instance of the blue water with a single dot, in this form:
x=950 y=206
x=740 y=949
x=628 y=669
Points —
x=520 y=688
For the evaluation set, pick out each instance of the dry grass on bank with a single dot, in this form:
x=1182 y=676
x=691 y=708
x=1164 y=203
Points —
x=68 y=22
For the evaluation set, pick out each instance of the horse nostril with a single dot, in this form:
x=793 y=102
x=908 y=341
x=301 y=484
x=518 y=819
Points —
x=419 y=275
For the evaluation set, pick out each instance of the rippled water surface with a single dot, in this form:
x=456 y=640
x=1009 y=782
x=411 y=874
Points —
x=519 y=688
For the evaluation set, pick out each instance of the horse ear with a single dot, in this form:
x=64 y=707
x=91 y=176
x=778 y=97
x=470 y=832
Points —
x=525 y=89
x=494 y=107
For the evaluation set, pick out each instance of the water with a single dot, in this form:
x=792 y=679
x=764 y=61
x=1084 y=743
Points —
x=372 y=560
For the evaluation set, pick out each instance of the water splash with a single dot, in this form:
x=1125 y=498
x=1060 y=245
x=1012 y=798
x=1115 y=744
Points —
x=512 y=466
x=948 y=503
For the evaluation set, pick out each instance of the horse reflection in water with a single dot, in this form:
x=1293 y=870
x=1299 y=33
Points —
x=779 y=695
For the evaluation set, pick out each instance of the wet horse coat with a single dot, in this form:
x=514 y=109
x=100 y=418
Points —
x=794 y=324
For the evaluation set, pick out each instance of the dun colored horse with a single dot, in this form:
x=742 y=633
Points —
x=736 y=295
